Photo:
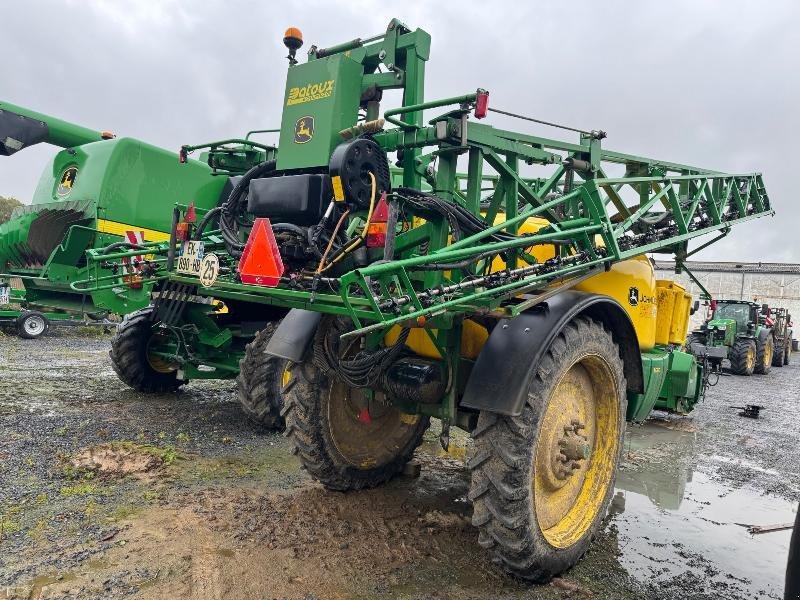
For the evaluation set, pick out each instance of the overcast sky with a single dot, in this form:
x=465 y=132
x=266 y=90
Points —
x=714 y=84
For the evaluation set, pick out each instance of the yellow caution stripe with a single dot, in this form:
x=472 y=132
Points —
x=116 y=228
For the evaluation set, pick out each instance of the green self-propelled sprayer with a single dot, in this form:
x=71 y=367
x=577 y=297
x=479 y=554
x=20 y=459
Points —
x=382 y=269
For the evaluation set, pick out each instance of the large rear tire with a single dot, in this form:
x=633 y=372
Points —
x=542 y=481
x=787 y=355
x=778 y=355
x=343 y=441
x=131 y=359
x=743 y=357
x=764 y=352
x=260 y=382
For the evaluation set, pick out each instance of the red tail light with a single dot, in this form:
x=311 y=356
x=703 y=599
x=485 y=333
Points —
x=182 y=231
x=481 y=104
x=376 y=232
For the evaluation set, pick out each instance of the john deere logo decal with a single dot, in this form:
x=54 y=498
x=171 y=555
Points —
x=633 y=296
x=66 y=182
x=303 y=130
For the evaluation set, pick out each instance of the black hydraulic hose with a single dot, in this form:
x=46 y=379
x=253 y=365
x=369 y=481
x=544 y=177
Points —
x=117 y=245
x=205 y=221
x=231 y=209
x=301 y=231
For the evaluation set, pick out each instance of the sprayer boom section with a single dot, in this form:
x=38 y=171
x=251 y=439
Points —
x=474 y=219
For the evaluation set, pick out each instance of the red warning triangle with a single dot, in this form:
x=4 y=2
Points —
x=261 y=262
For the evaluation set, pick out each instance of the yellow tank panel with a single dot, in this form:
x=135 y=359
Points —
x=632 y=283
x=532 y=225
x=674 y=303
x=473 y=337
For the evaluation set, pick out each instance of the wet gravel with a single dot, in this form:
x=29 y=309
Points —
x=218 y=516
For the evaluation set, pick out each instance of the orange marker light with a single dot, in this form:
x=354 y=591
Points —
x=293 y=33
x=261 y=262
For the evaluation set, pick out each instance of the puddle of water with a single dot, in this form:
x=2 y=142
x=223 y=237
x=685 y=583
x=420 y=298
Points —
x=41 y=582
x=673 y=520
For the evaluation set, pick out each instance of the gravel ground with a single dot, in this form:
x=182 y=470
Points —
x=105 y=493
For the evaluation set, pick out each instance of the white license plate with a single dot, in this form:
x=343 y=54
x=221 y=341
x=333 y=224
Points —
x=190 y=257
x=5 y=294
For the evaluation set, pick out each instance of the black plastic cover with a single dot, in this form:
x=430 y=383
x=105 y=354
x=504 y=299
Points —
x=499 y=379
x=294 y=334
x=296 y=199
x=18 y=132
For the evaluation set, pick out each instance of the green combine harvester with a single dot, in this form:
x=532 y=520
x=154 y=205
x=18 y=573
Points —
x=100 y=191
x=498 y=282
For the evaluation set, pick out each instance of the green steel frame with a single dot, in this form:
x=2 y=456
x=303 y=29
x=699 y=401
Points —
x=593 y=217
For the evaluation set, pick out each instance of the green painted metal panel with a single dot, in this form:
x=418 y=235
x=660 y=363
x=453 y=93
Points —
x=322 y=98
x=655 y=365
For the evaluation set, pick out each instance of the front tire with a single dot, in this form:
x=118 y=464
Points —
x=260 y=382
x=31 y=324
x=542 y=481
x=339 y=444
x=132 y=362
x=764 y=352
x=743 y=357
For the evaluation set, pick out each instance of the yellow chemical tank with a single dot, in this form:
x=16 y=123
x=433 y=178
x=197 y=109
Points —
x=632 y=283
x=673 y=312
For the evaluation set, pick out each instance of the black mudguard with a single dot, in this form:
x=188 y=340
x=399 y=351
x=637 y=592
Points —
x=499 y=380
x=293 y=335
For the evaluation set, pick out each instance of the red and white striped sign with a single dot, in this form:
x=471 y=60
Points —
x=133 y=265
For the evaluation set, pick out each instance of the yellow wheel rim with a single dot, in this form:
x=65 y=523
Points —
x=285 y=376
x=576 y=451
x=159 y=364
x=767 y=355
x=367 y=434
x=751 y=357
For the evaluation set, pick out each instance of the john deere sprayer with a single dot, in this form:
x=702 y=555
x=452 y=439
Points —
x=497 y=281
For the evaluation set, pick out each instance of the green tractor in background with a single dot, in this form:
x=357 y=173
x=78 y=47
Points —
x=782 y=335
x=740 y=331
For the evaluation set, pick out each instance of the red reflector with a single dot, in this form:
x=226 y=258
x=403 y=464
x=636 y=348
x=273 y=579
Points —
x=191 y=214
x=381 y=212
x=481 y=104
x=182 y=231
x=261 y=262
x=364 y=416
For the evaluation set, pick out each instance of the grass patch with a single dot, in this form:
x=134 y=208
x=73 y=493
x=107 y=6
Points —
x=79 y=489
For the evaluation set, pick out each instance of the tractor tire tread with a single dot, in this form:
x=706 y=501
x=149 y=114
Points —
x=500 y=486
x=258 y=384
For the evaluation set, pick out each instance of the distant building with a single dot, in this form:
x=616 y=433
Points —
x=776 y=284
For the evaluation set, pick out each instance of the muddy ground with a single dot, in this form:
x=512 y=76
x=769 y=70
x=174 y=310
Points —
x=108 y=494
